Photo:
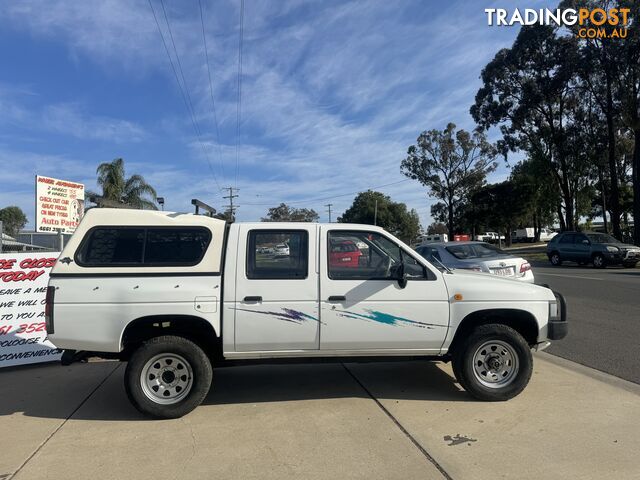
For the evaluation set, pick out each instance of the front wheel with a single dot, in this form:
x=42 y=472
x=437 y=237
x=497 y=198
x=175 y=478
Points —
x=167 y=377
x=555 y=259
x=598 y=261
x=493 y=363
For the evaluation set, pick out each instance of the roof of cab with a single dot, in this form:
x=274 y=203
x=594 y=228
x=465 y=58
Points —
x=125 y=216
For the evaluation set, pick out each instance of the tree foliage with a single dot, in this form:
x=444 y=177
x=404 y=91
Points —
x=392 y=216
x=134 y=191
x=437 y=228
x=452 y=165
x=13 y=220
x=285 y=213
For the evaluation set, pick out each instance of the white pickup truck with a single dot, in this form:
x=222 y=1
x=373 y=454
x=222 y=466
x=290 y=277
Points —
x=173 y=294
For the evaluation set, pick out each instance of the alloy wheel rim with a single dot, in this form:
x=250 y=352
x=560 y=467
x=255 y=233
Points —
x=166 y=378
x=495 y=364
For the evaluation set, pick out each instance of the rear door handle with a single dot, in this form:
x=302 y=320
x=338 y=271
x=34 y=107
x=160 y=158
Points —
x=256 y=298
x=337 y=298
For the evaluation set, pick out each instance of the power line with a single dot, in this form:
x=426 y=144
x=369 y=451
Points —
x=213 y=103
x=311 y=200
x=239 y=103
x=185 y=97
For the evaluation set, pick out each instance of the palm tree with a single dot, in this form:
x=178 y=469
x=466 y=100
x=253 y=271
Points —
x=132 y=191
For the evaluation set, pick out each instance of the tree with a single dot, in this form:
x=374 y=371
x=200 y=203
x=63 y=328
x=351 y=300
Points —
x=13 y=220
x=134 y=191
x=376 y=208
x=503 y=205
x=452 y=165
x=436 y=228
x=629 y=54
x=529 y=91
x=285 y=213
x=227 y=216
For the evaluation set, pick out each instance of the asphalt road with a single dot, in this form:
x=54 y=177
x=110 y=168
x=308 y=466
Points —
x=604 y=311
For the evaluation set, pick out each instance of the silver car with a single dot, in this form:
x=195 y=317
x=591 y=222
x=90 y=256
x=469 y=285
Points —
x=479 y=257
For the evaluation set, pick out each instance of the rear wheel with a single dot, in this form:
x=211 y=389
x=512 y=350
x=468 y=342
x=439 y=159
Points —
x=493 y=363
x=167 y=377
x=555 y=260
x=598 y=261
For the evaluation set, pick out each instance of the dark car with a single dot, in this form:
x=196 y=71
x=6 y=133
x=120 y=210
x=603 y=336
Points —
x=598 y=249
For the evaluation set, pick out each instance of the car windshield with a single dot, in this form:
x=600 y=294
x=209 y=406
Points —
x=474 y=250
x=602 y=238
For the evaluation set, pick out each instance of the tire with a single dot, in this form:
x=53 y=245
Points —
x=167 y=377
x=629 y=265
x=598 y=261
x=511 y=358
x=555 y=259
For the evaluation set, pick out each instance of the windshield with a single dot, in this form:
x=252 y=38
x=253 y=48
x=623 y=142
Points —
x=474 y=250
x=602 y=238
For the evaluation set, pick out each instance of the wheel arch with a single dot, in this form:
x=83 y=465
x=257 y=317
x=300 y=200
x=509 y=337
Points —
x=197 y=329
x=522 y=321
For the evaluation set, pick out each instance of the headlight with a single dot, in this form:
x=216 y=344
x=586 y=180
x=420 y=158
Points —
x=554 y=312
x=613 y=249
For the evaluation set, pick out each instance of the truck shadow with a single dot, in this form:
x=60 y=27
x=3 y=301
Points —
x=95 y=391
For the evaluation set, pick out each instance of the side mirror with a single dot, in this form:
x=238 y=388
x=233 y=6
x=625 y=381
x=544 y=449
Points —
x=586 y=242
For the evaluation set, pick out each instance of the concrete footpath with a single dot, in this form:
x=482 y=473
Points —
x=401 y=420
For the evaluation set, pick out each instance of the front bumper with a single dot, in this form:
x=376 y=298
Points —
x=558 y=329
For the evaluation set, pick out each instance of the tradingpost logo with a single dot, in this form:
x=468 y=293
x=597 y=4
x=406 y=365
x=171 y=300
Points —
x=590 y=22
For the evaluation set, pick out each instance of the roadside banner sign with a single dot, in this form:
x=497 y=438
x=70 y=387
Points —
x=59 y=205
x=23 y=288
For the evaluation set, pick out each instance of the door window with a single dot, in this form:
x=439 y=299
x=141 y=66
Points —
x=368 y=256
x=568 y=238
x=278 y=254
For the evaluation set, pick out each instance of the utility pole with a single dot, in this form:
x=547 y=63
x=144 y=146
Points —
x=329 y=205
x=231 y=207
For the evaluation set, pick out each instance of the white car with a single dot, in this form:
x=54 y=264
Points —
x=478 y=257
x=281 y=250
x=174 y=295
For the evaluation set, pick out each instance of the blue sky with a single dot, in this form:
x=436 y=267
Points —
x=333 y=93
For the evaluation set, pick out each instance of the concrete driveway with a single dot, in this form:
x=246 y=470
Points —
x=399 y=420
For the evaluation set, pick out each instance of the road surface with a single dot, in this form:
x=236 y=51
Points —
x=604 y=311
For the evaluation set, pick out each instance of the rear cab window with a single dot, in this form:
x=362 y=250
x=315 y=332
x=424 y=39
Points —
x=143 y=246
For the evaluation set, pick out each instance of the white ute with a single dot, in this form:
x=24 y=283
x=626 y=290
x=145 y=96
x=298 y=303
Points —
x=175 y=294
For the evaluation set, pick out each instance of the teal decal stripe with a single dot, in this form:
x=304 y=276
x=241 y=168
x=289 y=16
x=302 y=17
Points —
x=386 y=318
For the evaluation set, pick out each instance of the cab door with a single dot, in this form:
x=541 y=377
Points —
x=276 y=299
x=364 y=306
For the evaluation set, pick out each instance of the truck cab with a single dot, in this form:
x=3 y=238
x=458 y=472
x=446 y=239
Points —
x=176 y=294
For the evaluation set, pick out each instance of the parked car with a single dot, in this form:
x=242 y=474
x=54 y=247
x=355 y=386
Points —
x=174 y=295
x=344 y=253
x=281 y=250
x=599 y=249
x=528 y=235
x=478 y=257
x=435 y=237
x=492 y=237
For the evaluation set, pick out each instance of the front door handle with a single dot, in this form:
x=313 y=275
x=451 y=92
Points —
x=257 y=298
x=337 y=298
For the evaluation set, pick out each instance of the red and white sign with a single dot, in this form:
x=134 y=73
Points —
x=23 y=287
x=59 y=205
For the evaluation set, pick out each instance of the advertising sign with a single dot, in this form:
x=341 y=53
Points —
x=23 y=287
x=59 y=205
